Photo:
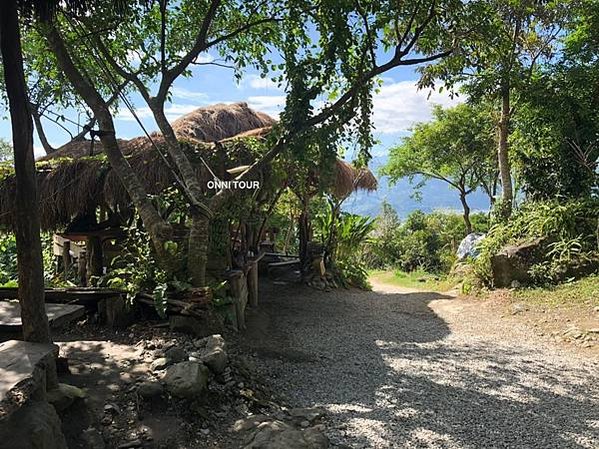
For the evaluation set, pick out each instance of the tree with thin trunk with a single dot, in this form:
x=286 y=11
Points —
x=510 y=40
x=456 y=147
x=27 y=220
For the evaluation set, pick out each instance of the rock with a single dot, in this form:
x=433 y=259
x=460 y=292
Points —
x=186 y=379
x=249 y=423
x=518 y=308
x=215 y=342
x=159 y=364
x=307 y=414
x=150 y=390
x=34 y=425
x=64 y=395
x=210 y=324
x=215 y=355
x=113 y=409
x=200 y=342
x=279 y=435
x=469 y=246
x=176 y=354
x=513 y=262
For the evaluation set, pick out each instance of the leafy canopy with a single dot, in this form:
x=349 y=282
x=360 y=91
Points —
x=456 y=147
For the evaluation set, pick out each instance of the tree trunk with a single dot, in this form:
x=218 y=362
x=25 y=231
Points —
x=466 y=212
x=95 y=259
x=197 y=252
x=503 y=153
x=158 y=229
x=40 y=129
x=304 y=236
x=27 y=222
x=200 y=211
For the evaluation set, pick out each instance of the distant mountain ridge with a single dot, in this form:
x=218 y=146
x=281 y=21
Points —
x=435 y=195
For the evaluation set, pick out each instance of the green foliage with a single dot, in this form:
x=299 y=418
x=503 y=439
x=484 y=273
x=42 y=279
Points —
x=456 y=147
x=5 y=150
x=425 y=242
x=556 y=134
x=570 y=230
x=8 y=261
x=8 y=258
x=135 y=270
x=345 y=235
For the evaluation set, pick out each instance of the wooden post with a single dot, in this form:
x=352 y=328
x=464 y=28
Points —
x=95 y=259
x=253 y=283
x=66 y=258
x=82 y=269
x=239 y=291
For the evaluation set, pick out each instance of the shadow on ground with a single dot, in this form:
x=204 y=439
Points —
x=393 y=374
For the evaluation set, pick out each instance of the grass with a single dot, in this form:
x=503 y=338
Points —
x=580 y=292
x=418 y=279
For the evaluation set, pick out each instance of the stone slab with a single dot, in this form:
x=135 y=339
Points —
x=58 y=314
x=22 y=370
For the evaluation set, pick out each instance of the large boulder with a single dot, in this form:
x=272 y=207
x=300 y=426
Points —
x=210 y=323
x=186 y=379
x=513 y=262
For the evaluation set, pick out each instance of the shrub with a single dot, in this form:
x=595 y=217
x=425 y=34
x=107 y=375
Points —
x=423 y=241
x=570 y=229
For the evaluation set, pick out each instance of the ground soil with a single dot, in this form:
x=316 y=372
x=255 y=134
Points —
x=393 y=368
x=400 y=368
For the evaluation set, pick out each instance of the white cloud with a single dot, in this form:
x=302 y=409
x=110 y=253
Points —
x=173 y=112
x=398 y=106
x=269 y=104
x=204 y=58
x=257 y=82
x=184 y=94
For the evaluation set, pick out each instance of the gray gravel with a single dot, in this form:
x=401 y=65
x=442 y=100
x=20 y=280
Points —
x=422 y=370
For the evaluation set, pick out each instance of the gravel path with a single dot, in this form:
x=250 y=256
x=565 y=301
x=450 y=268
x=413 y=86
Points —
x=399 y=369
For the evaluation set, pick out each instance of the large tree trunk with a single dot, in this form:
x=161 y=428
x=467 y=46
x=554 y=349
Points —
x=503 y=153
x=200 y=212
x=466 y=215
x=158 y=229
x=29 y=247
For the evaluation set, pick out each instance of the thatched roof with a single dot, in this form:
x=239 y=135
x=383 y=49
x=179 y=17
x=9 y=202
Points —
x=208 y=124
x=220 y=121
x=77 y=178
x=349 y=179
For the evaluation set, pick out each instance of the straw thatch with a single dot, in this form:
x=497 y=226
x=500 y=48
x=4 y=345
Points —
x=220 y=121
x=349 y=179
x=77 y=179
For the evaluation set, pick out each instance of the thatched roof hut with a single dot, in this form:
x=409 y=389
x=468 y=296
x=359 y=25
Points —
x=349 y=179
x=76 y=179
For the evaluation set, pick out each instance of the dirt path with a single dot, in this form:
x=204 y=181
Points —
x=407 y=369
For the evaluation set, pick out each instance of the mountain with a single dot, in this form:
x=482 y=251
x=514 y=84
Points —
x=435 y=195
